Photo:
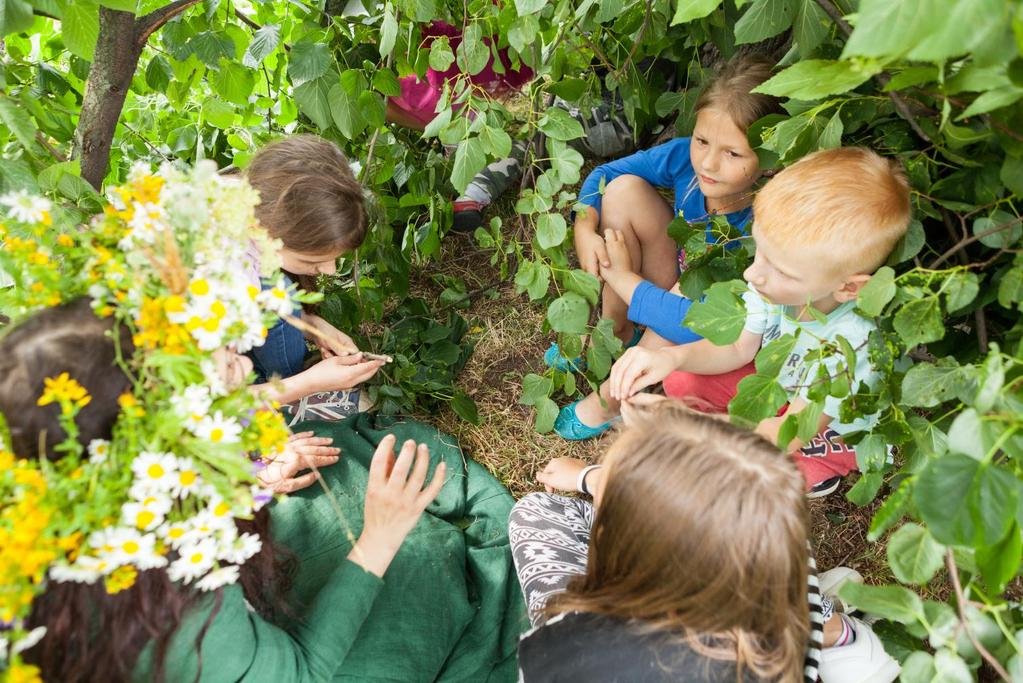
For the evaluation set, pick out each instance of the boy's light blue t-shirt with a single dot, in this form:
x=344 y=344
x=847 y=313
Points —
x=772 y=321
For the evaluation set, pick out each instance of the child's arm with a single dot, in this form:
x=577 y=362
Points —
x=770 y=427
x=338 y=372
x=330 y=340
x=639 y=368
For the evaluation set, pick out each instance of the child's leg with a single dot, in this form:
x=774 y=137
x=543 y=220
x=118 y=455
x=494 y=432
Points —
x=825 y=457
x=634 y=207
x=550 y=539
x=485 y=187
x=706 y=393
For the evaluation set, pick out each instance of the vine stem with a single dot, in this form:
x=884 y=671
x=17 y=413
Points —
x=953 y=572
x=639 y=36
x=966 y=241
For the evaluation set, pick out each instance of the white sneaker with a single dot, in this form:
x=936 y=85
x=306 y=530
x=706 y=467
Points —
x=862 y=661
x=832 y=581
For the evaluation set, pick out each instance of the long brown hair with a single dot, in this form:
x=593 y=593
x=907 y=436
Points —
x=90 y=635
x=309 y=197
x=702 y=531
x=729 y=90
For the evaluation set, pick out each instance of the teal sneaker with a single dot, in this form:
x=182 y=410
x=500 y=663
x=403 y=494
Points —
x=569 y=426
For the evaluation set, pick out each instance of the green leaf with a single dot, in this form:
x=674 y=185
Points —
x=949 y=478
x=121 y=5
x=558 y=124
x=991 y=100
x=212 y=46
x=999 y=563
x=831 y=136
x=927 y=385
x=307 y=61
x=218 y=113
x=312 y=100
x=914 y=556
x=524 y=7
x=565 y=161
x=583 y=284
x=1000 y=229
x=810 y=27
x=757 y=398
x=386 y=83
x=496 y=142
x=465 y=407
x=234 y=83
x=889 y=602
x=80 y=27
x=441 y=56
x=771 y=358
x=604 y=345
x=535 y=388
x=158 y=73
x=472 y=53
x=15 y=16
x=372 y=109
x=764 y=18
x=388 y=31
x=813 y=79
x=985 y=19
x=879 y=290
x=546 y=414
x=864 y=491
x=1010 y=289
x=891 y=510
x=721 y=315
x=17 y=120
x=344 y=108
x=533 y=278
x=569 y=313
x=918 y=668
x=551 y=230
x=1012 y=174
x=889 y=29
x=909 y=245
x=919 y=322
x=961 y=289
x=523 y=32
x=264 y=41
x=688 y=10
x=469 y=160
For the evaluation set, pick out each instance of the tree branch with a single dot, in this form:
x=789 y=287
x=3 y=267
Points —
x=953 y=572
x=963 y=243
x=146 y=25
x=900 y=104
x=639 y=36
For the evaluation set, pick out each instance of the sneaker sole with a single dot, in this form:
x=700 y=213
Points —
x=827 y=491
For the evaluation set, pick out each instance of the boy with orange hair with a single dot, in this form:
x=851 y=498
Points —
x=822 y=227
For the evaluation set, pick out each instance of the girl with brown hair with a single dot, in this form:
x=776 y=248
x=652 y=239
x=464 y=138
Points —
x=311 y=201
x=691 y=563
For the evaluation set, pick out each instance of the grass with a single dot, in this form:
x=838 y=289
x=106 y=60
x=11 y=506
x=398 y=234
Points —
x=509 y=338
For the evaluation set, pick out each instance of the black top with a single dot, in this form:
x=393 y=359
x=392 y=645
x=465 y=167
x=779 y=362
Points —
x=580 y=646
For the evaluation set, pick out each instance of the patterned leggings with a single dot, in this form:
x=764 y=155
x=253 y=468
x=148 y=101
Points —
x=550 y=539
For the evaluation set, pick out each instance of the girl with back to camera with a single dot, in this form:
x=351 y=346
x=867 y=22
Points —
x=711 y=173
x=691 y=563
x=311 y=201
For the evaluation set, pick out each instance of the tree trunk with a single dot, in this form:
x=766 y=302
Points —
x=114 y=64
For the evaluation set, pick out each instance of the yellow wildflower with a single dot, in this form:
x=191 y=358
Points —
x=121 y=578
x=23 y=673
x=65 y=240
x=64 y=390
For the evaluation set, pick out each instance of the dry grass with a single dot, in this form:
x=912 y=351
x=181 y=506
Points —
x=507 y=331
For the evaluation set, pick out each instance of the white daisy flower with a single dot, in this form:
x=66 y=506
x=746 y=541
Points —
x=177 y=534
x=212 y=377
x=194 y=403
x=122 y=545
x=98 y=450
x=146 y=514
x=154 y=471
x=85 y=569
x=25 y=207
x=218 y=577
x=276 y=299
x=218 y=429
x=240 y=549
x=195 y=559
x=29 y=639
x=187 y=479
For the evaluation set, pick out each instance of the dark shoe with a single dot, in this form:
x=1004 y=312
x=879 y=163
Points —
x=468 y=215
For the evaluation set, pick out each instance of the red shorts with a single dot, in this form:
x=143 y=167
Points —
x=826 y=456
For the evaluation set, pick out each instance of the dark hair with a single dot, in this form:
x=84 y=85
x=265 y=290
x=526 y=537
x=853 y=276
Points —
x=309 y=197
x=90 y=635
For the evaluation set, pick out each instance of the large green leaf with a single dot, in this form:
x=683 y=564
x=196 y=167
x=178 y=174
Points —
x=757 y=398
x=264 y=41
x=15 y=16
x=890 y=29
x=469 y=160
x=18 y=121
x=234 y=83
x=810 y=27
x=914 y=556
x=985 y=19
x=813 y=79
x=568 y=313
x=80 y=28
x=388 y=31
x=687 y=10
x=721 y=315
x=312 y=101
x=929 y=384
x=472 y=53
x=879 y=290
x=308 y=61
x=919 y=321
x=211 y=47
x=121 y=5
x=985 y=498
x=763 y=19
x=551 y=230
x=890 y=602
x=558 y=124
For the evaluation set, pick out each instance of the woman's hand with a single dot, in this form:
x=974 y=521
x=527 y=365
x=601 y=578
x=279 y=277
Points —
x=302 y=452
x=330 y=340
x=561 y=474
x=340 y=372
x=637 y=369
x=395 y=499
x=590 y=246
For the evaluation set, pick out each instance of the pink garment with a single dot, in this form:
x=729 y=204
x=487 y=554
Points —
x=826 y=456
x=419 y=98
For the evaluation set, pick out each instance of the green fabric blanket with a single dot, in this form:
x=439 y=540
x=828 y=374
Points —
x=450 y=608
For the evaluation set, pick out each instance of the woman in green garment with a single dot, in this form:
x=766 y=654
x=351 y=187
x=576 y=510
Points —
x=134 y=545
